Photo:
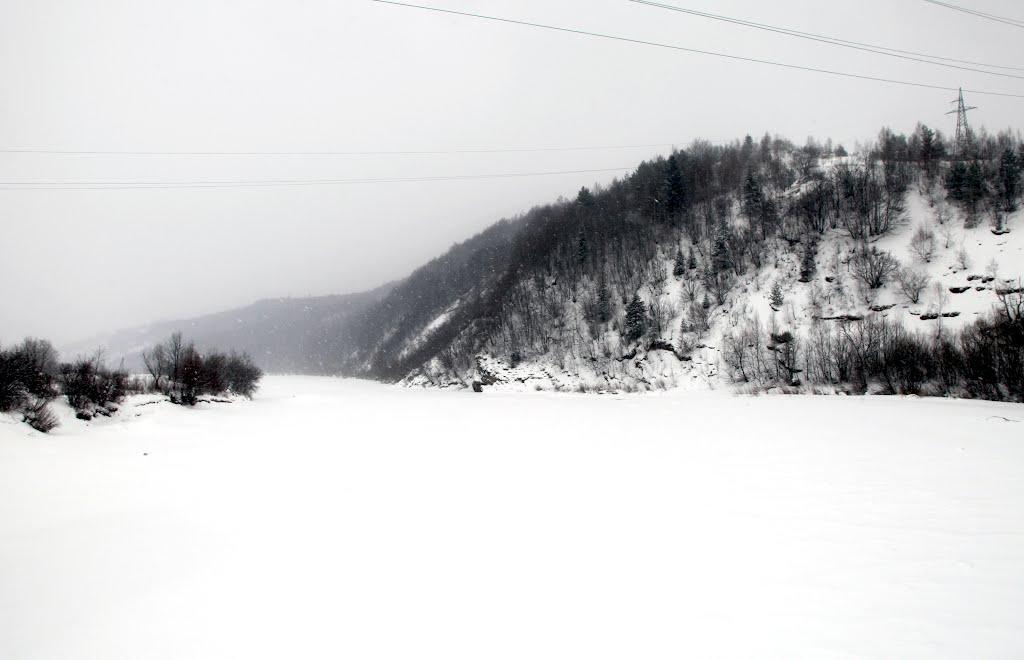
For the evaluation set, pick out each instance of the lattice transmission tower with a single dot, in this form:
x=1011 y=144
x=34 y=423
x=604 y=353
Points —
x=962 y=146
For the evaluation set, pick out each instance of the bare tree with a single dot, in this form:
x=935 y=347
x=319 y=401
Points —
x=912 y=283
x=950 y=234
x=155 y=361
x=963 y=260
x=691 y=287
x=873 y=267
x=922 y=243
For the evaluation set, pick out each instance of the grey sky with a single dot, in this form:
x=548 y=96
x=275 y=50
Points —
x=351 y=75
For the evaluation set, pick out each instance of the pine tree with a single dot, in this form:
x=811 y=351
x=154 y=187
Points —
x=807 y=265
x=775 y=299
x=753 y=197
x=691 y=263
x=974 y=189
x=721 y=261
x=675 y=193
x=636 y=319
x=585 y=198
x=582 y=250
x=956 y=181
x=680 y=266
x=929 y=153
x=1009 y=179
x=604 y=302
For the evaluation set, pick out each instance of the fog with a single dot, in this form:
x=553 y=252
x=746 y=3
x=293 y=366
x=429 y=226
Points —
x=360 y=76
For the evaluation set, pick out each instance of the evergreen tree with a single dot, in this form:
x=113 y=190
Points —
x=753 y=197
x=973 y=189
x=604 y=302
x=807 y=265
x=721 y=261
x=585 y=198
x=680 y=266
x=582 y=250
x=636 y=319
x=1009 y=179
x=930 y=149
x=775 y=299
x=956 y=180
x=747 y=150
x=675 y=194
x=691 y=262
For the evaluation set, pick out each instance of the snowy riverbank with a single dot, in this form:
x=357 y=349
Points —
x=332 y=518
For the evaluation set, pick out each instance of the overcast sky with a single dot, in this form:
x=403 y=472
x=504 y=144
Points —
x=355 y=75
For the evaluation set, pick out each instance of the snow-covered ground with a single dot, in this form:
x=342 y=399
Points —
x=344 y=519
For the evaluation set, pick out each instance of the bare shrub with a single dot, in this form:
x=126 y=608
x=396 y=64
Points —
x=40 y=417
x=922 y=243
x=91 y=387
x=28 y=382
x=963 y=260
x=184 y=374
x=873 y=267
x=912 y=283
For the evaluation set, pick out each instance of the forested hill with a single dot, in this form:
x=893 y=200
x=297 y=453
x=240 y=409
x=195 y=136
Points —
x=648 y=282
x=283 y=335
x=758 y=261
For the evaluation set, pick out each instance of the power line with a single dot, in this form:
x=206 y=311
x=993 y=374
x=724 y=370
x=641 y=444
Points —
x=142 y=185
x=842 y=43
x=980 y=14
x=740 y=58
x=499 y=150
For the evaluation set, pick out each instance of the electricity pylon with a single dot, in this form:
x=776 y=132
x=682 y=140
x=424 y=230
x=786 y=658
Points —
x=962 y=146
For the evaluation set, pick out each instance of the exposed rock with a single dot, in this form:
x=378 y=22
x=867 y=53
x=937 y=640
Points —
x=841 y=317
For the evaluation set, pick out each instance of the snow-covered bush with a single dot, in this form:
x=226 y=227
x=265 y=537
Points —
x=912 y=283
x=28 y=382
x=178 y=370
x=91 y=388
x=922 y=243
x=873 y=267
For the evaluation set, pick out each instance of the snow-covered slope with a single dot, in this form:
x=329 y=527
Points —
x=283 y=335
x=344 y=519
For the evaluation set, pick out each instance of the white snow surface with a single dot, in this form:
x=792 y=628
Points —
x=344 y=519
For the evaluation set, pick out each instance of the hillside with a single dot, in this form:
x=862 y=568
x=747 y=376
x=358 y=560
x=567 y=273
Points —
x=283 y=335
x=758 y=262
x=664 y=279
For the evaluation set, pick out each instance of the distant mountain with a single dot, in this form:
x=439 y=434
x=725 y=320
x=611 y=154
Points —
x=283 y=335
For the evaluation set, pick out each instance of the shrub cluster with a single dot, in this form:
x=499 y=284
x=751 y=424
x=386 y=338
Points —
x=93 y=389
x=181 y=372
x=31 y=377
x=984 y=360
x=28 y=382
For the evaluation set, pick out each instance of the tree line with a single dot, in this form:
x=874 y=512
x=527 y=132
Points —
x=983 y=360
x=32 y=376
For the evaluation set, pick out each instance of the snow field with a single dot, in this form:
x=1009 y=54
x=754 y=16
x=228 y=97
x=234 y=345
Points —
x=331 y=518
